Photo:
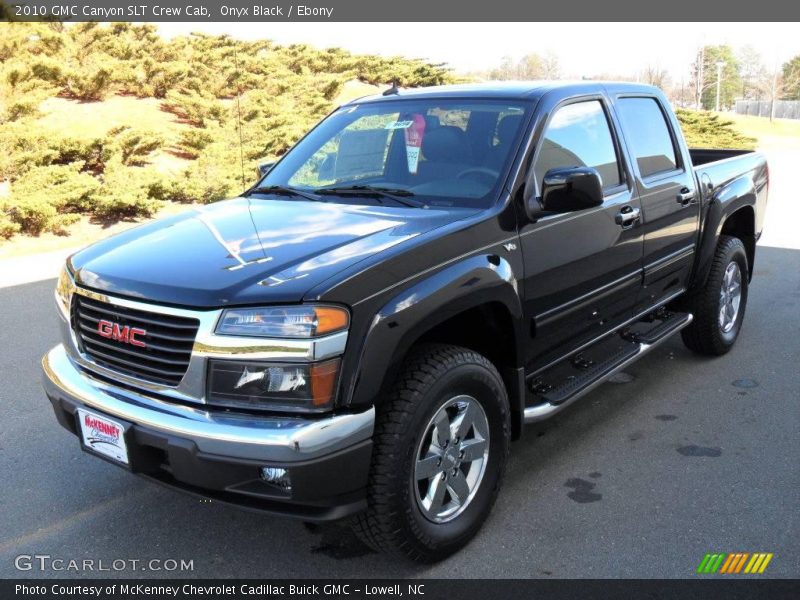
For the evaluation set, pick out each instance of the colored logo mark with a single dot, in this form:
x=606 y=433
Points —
x=734 y=562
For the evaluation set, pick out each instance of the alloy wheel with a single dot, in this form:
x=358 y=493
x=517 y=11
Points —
x=451 y=459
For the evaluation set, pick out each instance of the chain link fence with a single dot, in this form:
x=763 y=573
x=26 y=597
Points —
x=784 y=109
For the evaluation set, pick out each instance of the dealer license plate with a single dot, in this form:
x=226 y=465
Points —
x=103 y=435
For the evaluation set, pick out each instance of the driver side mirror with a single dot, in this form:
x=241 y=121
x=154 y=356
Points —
x=567 y=190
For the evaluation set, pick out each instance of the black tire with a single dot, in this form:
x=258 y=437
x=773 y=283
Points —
x=705 y=335
x=431 y=376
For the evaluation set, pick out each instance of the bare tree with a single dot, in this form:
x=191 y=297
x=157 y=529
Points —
x=551 y=69
x=790 y=79
x=654 y=75
x=785 y=84
x=530 y=66
x=756 y=79
x=698 y=76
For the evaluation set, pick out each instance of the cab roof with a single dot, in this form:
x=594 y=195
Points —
x=508 y=90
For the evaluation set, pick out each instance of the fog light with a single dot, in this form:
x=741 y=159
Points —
x=277 y=476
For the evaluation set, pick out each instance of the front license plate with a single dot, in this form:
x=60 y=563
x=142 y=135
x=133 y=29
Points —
x=103 y=436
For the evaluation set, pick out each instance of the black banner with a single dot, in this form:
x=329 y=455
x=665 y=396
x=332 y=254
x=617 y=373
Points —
x=435 y=589
x=405 y=11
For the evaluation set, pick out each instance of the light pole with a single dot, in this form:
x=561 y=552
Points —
x=720 y=64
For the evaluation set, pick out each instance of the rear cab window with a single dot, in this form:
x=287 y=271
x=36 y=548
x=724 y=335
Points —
x=649 y=136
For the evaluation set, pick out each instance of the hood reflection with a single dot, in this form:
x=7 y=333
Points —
x=226 y=252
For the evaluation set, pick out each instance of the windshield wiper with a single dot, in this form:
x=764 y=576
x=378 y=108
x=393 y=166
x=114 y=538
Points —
x=286 y=191
x=380 y=192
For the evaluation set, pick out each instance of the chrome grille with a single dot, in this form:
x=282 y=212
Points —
x=168 y=340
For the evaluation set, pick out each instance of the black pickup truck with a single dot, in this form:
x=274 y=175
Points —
x=362 y=333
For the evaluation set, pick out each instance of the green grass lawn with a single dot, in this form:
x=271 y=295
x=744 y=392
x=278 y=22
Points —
x=778 y=132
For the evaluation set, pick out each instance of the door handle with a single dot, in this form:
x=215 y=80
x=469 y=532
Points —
x=627 y=217
x=685 y=197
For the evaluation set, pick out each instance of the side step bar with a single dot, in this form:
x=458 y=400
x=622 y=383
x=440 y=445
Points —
x=670 y=322
x=557 y=398
x=591 y=372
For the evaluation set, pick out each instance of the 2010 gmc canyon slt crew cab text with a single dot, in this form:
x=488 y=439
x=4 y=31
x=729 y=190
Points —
x=364 y=332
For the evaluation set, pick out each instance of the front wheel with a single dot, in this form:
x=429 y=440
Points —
x=718 y=307
x=440 y=449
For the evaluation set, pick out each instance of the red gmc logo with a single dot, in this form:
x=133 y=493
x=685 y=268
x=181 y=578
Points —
x=126 y=335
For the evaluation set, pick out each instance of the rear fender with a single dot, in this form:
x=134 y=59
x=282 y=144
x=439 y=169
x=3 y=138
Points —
x=731 y=197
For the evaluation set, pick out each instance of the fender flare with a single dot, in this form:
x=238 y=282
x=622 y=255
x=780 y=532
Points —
x=468 y=283
x=732 y=197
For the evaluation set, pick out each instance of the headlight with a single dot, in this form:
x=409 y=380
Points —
x=64 y=290
x=272 y=386
x=283 y=321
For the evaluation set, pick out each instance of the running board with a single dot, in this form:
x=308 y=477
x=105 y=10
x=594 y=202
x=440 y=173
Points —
x=592 y=374
x=670 y=322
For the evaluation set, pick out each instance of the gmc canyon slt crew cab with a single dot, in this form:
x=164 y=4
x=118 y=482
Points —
x=362 y=333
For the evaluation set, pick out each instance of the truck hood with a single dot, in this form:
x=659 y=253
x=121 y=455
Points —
x=247 y=251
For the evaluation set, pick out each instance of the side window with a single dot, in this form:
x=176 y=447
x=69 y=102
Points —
x=578 y=135
x=648 y=134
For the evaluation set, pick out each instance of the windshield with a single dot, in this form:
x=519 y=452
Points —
x=436 y=152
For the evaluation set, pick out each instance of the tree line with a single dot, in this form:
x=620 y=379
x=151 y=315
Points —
x=743 y=74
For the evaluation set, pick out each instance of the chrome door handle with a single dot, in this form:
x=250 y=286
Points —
x=627 y=217
x=685 y=197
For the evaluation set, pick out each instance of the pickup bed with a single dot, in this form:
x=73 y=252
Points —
x=362 y=333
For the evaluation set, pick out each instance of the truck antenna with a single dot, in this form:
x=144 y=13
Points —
x=239 y=111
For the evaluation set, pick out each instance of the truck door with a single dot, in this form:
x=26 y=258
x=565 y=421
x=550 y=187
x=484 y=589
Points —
x=583 y=269
x=667 y=190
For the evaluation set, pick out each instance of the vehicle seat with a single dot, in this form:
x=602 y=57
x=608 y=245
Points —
x=446 y=153
x=432 y=122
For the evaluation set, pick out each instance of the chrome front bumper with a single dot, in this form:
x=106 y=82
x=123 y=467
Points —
x=271 y=439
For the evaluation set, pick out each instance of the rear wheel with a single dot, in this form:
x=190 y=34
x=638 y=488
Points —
x=440 y=448
x=718 y=308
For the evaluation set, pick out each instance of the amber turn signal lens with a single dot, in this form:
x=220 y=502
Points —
x=330 y=319
x=323 y=381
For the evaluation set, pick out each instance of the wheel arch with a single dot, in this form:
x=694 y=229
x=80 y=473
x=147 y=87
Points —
x=473 y=303
x=731 y=212
x=742 y=224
